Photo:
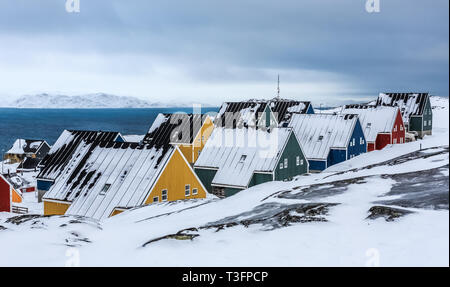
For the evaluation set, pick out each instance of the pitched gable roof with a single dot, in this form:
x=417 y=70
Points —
x=24 y=146
x=69 y=148
x=177 y=128
x=240 y=114
x=318 y=133
x=284 y=108
x=410 y=104
x=113 y=175
x=374 y=120
x=238 y=153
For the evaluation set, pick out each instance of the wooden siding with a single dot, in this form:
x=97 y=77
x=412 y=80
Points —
x=16 y=197
x=360 y=145
x=206 y=176
x=176 y=174
x=55 y=208
x=290 y=152
x=5 y=193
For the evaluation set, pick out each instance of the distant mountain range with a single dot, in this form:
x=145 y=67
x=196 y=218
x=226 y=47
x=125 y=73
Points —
x=88 y=101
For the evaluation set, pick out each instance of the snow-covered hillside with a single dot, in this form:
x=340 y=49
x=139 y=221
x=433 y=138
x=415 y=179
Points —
x=383 y=208
x=89 y=101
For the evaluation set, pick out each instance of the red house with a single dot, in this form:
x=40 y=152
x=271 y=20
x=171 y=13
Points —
x=9 y=194
x=381 y=125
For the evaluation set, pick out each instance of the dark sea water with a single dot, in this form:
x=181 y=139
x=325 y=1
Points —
x=48 y=124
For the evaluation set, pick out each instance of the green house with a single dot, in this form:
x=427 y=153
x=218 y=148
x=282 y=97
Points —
x=415 y=108
x=236 y=159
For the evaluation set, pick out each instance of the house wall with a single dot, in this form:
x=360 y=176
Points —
x=427 y=118
x=290 y=152
x=191 y=151
x=173 y=178
x=55 y=208
x=5 y=200
x=310 y=110
x=398 y=131
x=382 y=141
x=206 y=176
x=336 y=156
x=43 y=151
x=317 y=165
x=202 y=138
x=16 y=196
x=359 y=140
x=370 y=146
x=115 y=212
x=415 y=124
x=42 y=186
x=259 y=178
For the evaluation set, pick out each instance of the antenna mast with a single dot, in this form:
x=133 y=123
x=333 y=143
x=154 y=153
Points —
x=278 y=89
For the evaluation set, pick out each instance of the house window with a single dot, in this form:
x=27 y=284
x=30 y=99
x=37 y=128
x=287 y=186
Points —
x=395 y=128
x=320 y=138
x=401 y=127
x=285 y=163
x=281 y=165
x=369 y=125
x=194 y=191
x=105 y=189
x=164 y=195
x=401 y=140
x=187 y=189
x=395 y=141
x=243 y=157
x=199 y=151
x=155 y=199
x=354 y=141
x=297 y=160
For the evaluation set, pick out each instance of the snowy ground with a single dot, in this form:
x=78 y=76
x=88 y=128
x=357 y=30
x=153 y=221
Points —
x=384 y=208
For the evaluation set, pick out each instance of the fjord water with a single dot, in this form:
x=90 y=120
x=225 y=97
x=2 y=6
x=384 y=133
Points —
x=48 y=124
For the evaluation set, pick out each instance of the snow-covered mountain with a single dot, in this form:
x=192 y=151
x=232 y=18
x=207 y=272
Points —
x=88 y=101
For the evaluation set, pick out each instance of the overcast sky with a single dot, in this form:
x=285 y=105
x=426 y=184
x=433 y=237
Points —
x=326 y=51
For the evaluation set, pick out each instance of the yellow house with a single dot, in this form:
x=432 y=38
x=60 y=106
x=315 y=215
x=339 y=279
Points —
x=107 y=178
x=189 y=132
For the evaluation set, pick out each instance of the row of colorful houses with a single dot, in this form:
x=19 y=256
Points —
x=185 y=156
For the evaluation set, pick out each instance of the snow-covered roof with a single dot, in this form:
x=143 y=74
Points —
x=374 y=120
x=16 y=181
x=240 y=114
x=410 y=104
x=23 y=146
x=238 y=153
x=318 y=133
x=178 y=128
x=284 y=108
x=110 y=175
x=248 y=113
x=68 y=150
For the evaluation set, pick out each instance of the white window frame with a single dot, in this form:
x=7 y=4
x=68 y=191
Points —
x=281 y=165
x=395 y=141
x=162 y=195
x=187 y=187
x=194 y=191
x=354 y=141
x=301 y=162
x=297 y=160
x=157 y=199
x=285 y=163
x=401 y=128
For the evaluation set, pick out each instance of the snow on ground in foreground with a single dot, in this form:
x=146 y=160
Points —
x=346 y=238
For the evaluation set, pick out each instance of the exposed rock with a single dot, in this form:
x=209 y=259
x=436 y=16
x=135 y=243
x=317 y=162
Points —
x=388 y=213
x=180 y=235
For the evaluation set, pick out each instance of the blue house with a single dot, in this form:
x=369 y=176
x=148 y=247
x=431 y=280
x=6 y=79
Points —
x=69 y=144
x=328 y=139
